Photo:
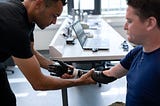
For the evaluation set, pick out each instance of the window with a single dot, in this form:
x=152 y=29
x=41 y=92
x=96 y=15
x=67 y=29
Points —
x=96 y=7
x=84 y=4
x=113 y=7
x=65 y=10
x=89 y=6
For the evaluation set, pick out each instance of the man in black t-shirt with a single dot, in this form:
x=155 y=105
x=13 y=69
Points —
x=17 y=22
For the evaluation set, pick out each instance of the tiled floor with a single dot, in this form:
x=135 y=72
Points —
x=89 y=95
x=26 y=96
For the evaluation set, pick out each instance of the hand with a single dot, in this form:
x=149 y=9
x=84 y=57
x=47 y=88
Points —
x=67 y=76
x=76 y=74
x=86 y=78
x=59 y=68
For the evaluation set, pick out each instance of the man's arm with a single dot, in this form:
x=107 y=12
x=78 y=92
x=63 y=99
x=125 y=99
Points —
x=43 y=61
x=31 y=69
x=110 y=75
x=101 y=76
x=117 y=71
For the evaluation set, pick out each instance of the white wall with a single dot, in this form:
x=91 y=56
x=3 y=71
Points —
x=118 y=24
x=42 y=38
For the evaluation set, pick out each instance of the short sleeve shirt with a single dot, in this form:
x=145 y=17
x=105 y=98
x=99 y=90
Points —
x=143 y=77
x=16 y=32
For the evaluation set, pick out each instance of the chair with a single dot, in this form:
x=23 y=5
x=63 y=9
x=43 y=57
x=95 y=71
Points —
x=9 y=62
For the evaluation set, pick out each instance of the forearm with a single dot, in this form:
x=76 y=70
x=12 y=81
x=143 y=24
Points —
x=117 y=71
x=55 y=83
x=108 y=76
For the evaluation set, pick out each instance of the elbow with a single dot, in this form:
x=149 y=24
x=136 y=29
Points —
x=44 y=87
x=39 y=84
x=38 y=87
x=43 y=84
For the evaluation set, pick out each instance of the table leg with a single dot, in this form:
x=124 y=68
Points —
x=64 y=97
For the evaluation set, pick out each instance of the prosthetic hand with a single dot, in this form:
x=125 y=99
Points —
x=99 y=77
x=59 y=68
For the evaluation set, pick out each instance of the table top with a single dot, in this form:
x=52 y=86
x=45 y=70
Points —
x=99 y=28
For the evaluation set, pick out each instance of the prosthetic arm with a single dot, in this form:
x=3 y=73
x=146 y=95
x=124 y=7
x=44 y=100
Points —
x=99 y=77
x=59 y=68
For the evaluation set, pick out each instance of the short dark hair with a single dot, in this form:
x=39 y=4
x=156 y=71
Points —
x=146 y=8
x=64 y=2
x=49 y=2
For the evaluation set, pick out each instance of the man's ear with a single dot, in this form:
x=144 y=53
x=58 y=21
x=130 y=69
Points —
x=39 y=4
x=151 y=23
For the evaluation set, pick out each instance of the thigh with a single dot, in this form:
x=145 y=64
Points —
x=6 y=94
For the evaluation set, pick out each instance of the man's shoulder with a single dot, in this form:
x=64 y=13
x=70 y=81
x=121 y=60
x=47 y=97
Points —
x=136 y=50
x=12 y=8
x=13 y=15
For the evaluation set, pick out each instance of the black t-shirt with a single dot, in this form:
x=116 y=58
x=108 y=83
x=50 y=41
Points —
x=16 y=32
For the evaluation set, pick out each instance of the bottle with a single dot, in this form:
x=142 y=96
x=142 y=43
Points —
x=85 y=17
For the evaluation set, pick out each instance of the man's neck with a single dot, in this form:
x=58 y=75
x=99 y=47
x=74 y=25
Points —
x=28 y=5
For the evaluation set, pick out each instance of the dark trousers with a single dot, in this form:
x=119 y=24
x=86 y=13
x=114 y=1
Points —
x=7 y=96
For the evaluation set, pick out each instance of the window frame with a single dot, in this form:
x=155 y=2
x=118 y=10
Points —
x=96 y=11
